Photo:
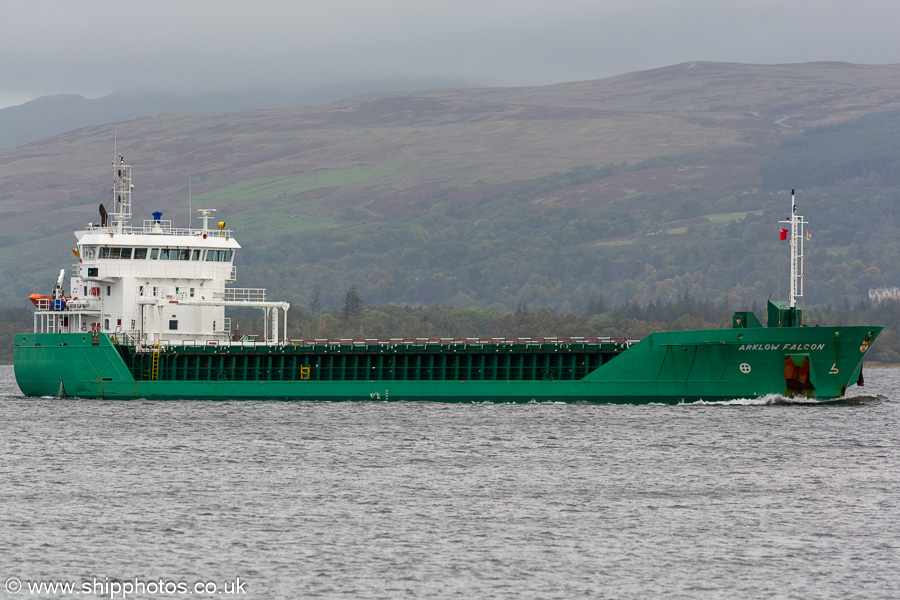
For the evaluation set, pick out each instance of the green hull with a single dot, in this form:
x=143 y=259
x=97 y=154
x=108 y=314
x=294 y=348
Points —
x=666 y=367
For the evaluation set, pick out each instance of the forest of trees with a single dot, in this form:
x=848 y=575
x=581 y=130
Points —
x=864 y=149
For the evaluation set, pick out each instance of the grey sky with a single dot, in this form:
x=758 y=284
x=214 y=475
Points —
x=92 y=47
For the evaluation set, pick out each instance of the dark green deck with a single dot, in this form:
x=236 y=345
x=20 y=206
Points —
x=426 y=360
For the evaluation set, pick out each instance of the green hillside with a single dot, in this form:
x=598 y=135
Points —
x=642 y=187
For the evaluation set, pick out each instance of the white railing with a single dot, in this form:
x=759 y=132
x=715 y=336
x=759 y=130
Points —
x=87 y=304
x=405 y=343
x=163 y=227
x=244 y=294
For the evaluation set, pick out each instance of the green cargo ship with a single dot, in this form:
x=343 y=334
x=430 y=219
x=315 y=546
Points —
x=145 y=318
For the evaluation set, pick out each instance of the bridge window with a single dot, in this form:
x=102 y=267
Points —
x=140 y=253
x=154 y=253
x=218 y=255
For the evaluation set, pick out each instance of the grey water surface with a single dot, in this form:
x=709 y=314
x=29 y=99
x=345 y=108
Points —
x=750 y=499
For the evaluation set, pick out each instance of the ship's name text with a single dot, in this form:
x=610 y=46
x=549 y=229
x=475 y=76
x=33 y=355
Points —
x=782 y=347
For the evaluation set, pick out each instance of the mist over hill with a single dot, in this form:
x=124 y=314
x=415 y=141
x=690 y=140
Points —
x=52 y=115
x=645 y=186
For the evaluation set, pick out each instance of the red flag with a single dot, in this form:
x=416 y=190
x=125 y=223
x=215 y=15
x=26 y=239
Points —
x=783 y=233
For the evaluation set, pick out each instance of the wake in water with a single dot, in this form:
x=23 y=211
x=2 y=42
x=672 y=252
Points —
x=778 y=399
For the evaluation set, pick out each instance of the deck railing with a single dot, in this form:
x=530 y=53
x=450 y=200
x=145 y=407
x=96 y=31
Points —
x=161 y=227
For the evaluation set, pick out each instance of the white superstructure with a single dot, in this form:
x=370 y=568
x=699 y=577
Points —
x=154 y=283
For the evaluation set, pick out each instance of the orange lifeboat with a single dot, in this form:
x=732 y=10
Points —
x=36 y=299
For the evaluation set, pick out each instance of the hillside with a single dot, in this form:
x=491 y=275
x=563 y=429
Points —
x=51 y=115
x=646 y=185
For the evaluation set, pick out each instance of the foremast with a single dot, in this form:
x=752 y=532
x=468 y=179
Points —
x=797 y=227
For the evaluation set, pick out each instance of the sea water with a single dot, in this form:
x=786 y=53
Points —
x=177 y=499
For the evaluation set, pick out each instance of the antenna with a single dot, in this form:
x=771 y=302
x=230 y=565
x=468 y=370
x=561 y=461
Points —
x=122 y=189
x=190 y=206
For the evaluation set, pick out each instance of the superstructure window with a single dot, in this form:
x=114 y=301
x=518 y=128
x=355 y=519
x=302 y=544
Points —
x=173 y=324
x=218 y=255
x=174 y=254
x=154 y=253
x=114 y=253
x=195 y=255
x=140 y=253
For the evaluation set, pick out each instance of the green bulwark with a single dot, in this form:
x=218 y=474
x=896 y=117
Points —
x=744 y=319
x=781 y=314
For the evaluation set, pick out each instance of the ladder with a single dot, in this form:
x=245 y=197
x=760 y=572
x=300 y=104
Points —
x=154 y=363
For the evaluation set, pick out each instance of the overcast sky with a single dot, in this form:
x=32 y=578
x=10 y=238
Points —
x=93 y=48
